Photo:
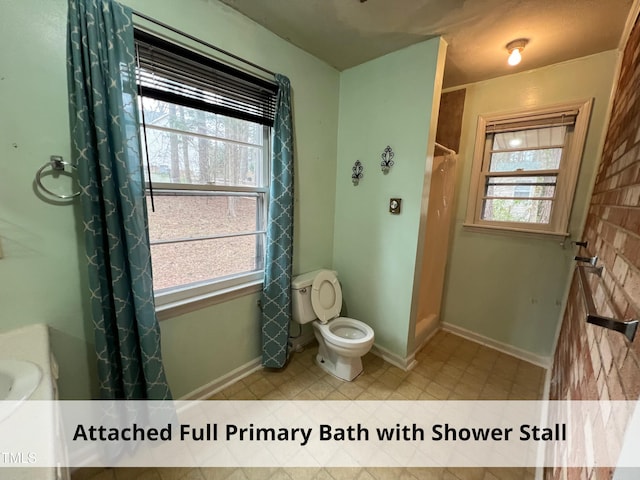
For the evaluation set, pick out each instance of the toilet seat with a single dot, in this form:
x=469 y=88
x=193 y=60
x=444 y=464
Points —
x=326 y=296
x=347 y=332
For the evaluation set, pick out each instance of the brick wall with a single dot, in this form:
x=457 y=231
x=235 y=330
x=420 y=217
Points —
x=591 y=362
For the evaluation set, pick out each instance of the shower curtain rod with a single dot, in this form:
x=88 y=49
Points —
x=201 y=42
x=442 y=147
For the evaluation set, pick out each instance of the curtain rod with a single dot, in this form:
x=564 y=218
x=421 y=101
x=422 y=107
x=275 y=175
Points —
x=448 y=150
x=201 y=42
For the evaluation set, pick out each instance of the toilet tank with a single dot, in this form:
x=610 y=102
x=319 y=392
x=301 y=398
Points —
x=301 y=309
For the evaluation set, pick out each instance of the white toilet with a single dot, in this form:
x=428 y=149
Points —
x=342 y=341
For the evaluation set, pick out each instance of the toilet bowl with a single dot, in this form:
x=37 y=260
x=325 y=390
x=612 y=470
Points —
x=342 y=341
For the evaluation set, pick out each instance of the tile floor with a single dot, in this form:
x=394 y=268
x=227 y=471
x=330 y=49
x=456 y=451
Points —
x=449 y=367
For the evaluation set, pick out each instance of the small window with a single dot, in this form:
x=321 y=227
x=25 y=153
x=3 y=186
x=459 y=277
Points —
x=525 y=169
x=205 y=132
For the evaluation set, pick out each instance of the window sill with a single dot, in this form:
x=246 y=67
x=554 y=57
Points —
x=180 y=307
x=515 y=231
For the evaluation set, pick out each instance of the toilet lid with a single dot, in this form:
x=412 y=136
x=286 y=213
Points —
x=326 y=296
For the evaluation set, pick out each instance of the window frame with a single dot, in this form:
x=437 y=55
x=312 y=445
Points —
x=181 y=299
x=225 y=287
x=567 y=177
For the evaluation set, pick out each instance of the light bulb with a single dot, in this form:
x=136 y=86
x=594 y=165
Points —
x=514 y=57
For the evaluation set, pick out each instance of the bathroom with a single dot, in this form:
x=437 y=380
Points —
x=505 y=291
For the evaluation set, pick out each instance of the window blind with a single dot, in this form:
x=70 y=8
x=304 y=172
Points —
x=555 y=119
x=174 y=74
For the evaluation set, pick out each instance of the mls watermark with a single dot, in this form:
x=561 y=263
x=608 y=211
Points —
x=18 y=458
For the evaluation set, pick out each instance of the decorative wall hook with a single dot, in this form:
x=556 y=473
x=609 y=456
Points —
x=387 y=159
x=357 y=172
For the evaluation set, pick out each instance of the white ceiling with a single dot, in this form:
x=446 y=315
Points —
x=345 y=33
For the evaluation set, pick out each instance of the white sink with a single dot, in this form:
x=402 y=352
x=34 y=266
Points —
x=18 y=379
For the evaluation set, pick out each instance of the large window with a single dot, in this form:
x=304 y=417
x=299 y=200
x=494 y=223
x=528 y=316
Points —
x=205 y=133
x=525 y=169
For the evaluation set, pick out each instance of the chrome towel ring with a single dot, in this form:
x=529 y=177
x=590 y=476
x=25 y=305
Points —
x=57 y=164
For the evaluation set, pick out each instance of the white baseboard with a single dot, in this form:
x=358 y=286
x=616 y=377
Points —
x=224 y=381
x=242 y=371
x=541 y=361
x=397 y=361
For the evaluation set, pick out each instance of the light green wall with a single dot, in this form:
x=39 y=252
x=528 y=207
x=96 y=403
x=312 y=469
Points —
x=41 y=274
x=387 y=101
x=42 y=277
x=506 y=287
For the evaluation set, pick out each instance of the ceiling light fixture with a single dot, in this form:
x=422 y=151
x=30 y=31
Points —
x=515 y=48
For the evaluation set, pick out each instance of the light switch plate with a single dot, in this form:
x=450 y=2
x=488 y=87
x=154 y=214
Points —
x=395 y=205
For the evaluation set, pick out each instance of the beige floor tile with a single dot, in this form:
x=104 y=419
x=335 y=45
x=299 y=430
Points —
x=497 y=381
x=253 y=378
x=334 y=381
x=519 y=392
x=259 y=473
x=391 y=473
x=336 y=395
x=323 y=475
x=459 y=362
x=437 y=391
x=243 y=394
x=153 y=475
x=365 y=475
x=277 y=377
x=427 y=473
x=452 y=371
x=475 y=380
x=321 y=389
x=417 y=379
x=490 y=392
x=426 y=396
x=302 y=473
x=306 y=395
x=489 y=476
x=233 y=388
x=217 y=473
x=350 y=390
x=429 y=368
x=180 y=474
x=291 y=389
x=275 y=395
x=380 y=390
x=280 y=474
x=467 y=473
x=134 y=473
x=390 y=380
x=367 y=395
x=409 y=391
x=509 y=473
x=218 y=396
x=93 y=474
x=237 y=474
x=468 y=391
x=344 y=473
x=449 y=367
x=445 y=380
x=261 y=387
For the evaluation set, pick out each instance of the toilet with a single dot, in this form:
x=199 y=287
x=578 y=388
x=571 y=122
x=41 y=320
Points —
x=343 y=341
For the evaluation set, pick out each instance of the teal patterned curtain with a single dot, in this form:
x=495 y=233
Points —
x=276 y=294
x=105 y=147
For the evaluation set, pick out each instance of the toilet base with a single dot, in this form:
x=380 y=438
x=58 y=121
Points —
x=344 y=368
